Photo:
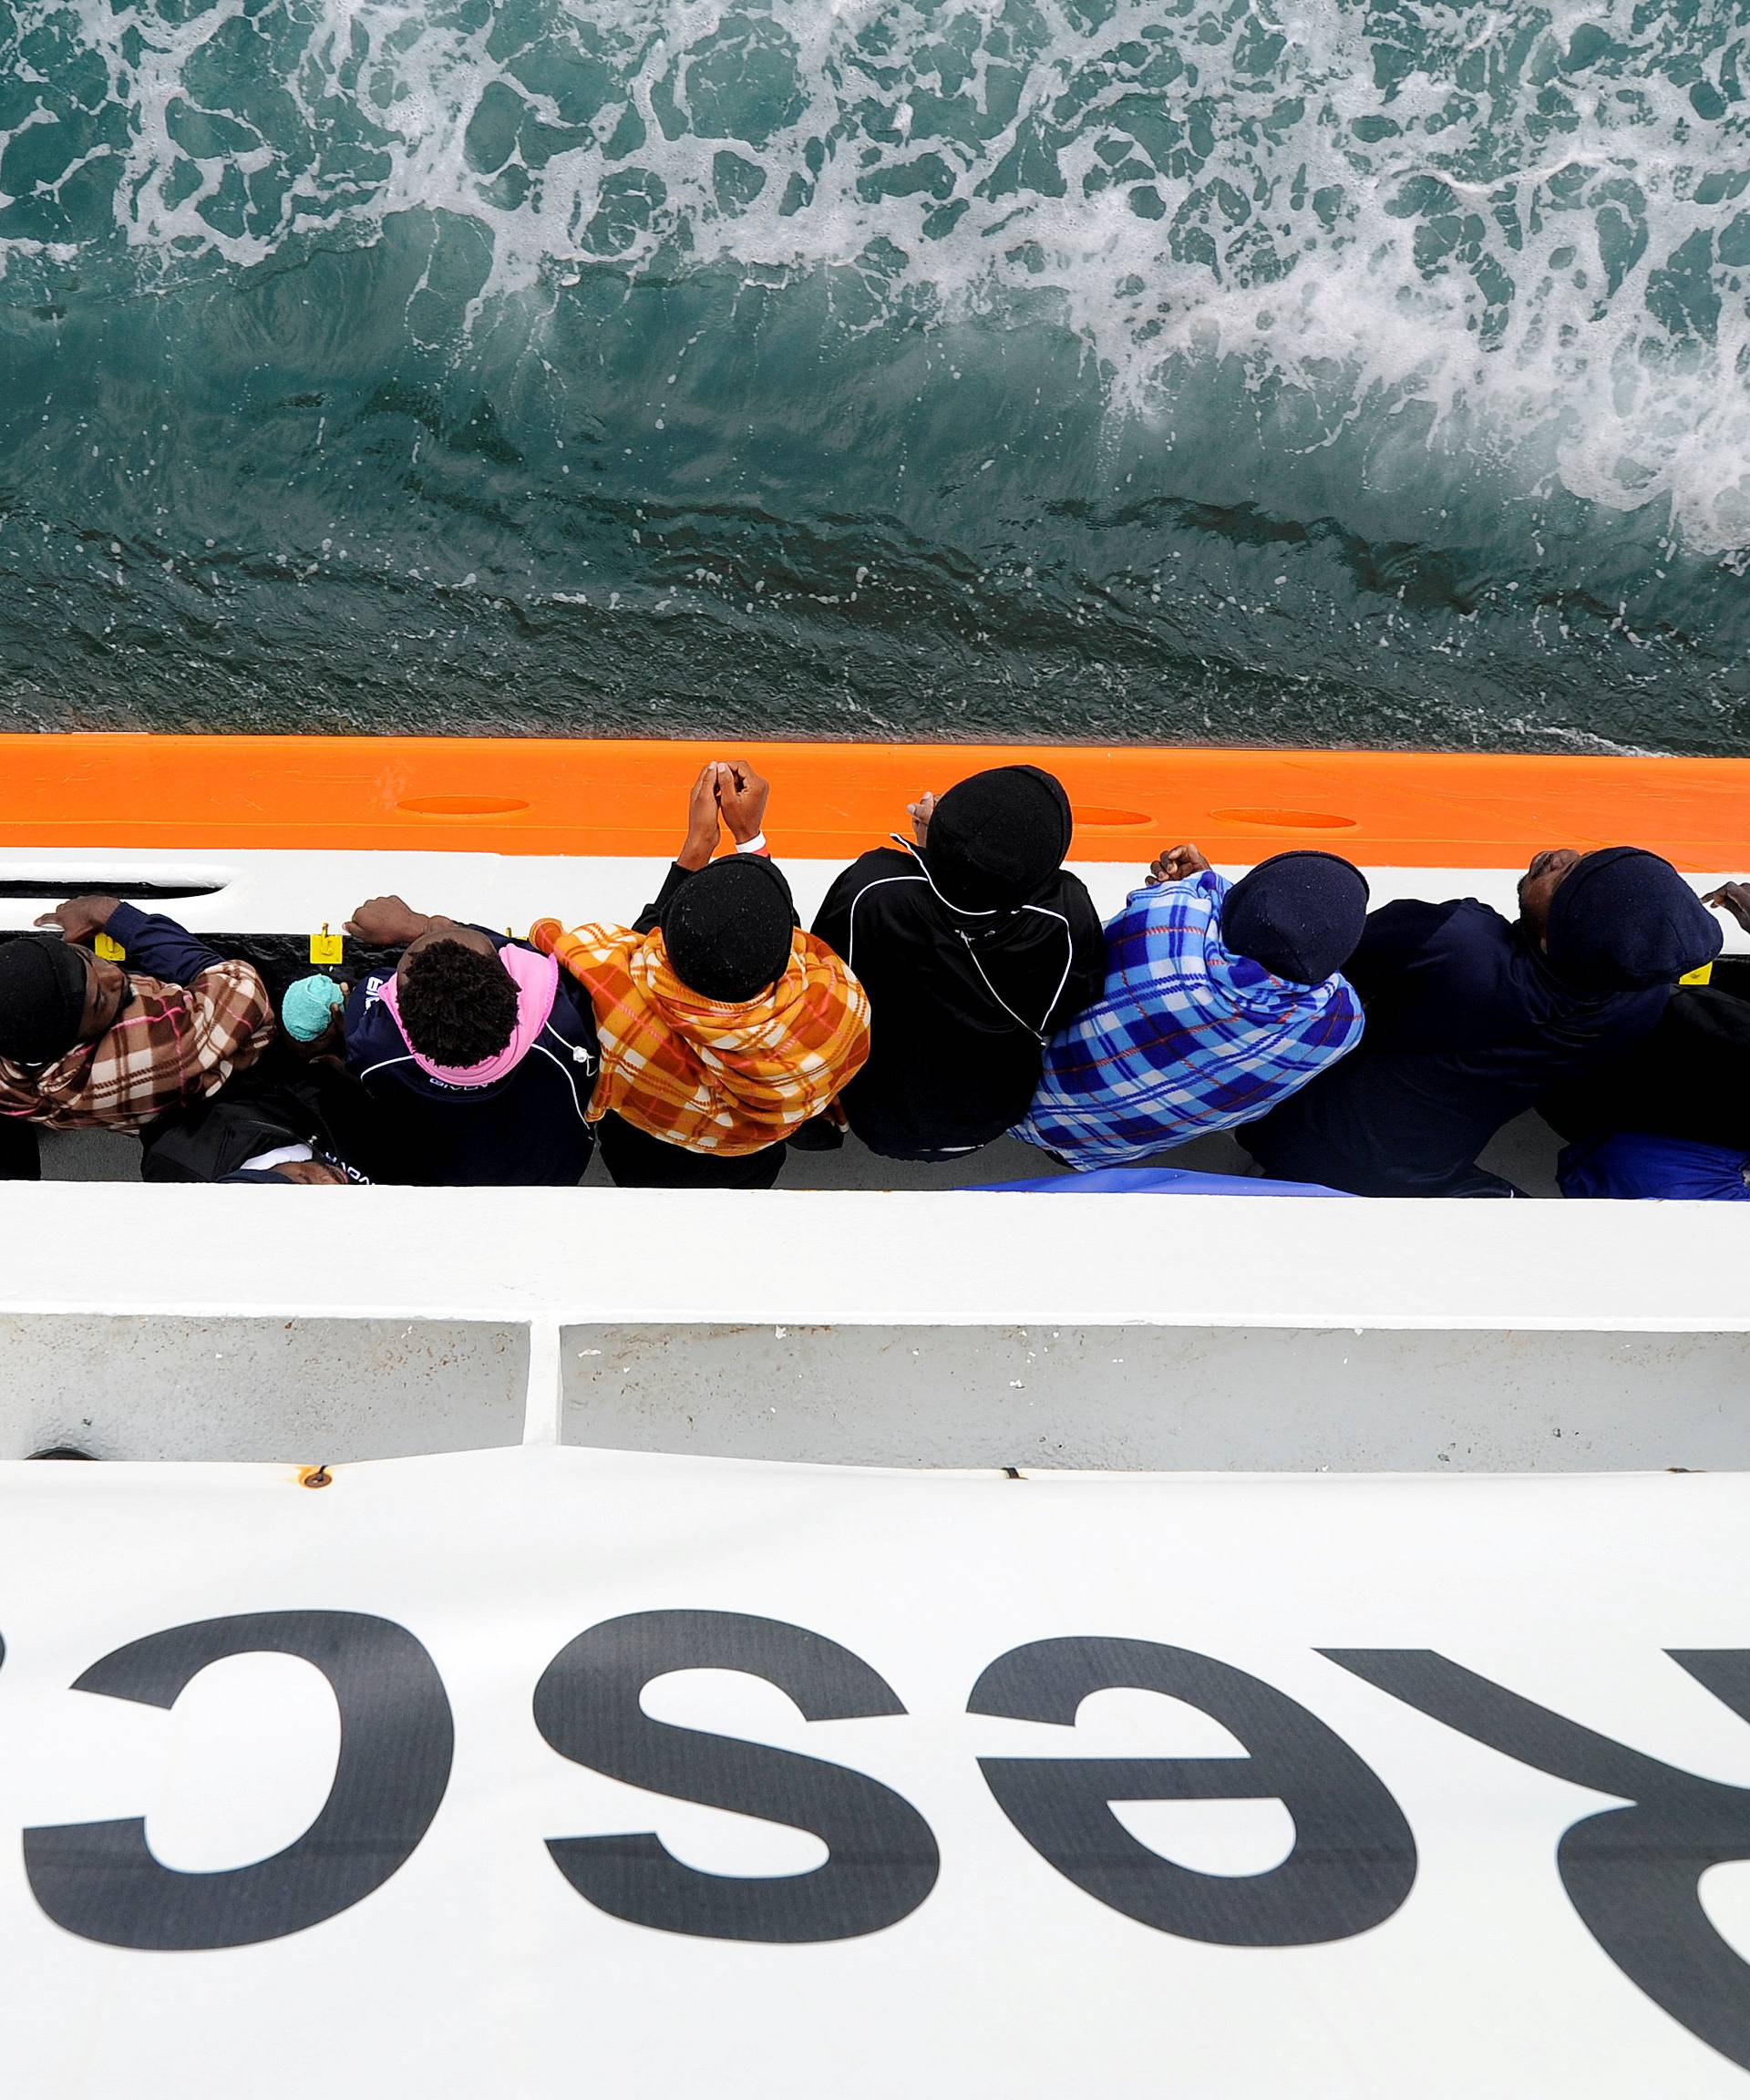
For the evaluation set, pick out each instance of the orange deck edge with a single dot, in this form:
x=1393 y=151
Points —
x=830 y=802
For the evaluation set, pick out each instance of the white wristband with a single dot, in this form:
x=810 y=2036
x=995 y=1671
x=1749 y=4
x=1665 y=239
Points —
x=756 y=844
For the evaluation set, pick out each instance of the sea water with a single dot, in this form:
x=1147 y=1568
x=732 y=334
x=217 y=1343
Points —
x=1260 y=370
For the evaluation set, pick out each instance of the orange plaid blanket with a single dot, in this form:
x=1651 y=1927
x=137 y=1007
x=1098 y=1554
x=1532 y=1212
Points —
x=705 y=1076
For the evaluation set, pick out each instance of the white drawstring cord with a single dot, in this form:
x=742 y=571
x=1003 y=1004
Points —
x=1038 y=1034
x=1045 y=911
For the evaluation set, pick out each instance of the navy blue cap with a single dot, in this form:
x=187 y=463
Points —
x=1623 y=920
x=1300 y=914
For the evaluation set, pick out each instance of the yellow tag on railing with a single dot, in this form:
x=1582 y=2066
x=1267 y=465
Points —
x=326 y=947
x=1704 y=975
x=109 y=949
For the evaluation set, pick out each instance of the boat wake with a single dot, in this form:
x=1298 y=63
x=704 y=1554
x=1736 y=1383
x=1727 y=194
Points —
x=1116 y=367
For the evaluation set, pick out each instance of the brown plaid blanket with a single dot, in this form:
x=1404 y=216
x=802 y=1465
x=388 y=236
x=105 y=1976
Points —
x=170 y=1043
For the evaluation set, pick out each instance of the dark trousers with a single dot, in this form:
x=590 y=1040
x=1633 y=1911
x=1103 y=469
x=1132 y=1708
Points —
x=636 y=1160
x=20 y=1158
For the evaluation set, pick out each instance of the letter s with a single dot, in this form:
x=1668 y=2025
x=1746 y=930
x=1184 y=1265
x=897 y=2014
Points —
x=881 y=1858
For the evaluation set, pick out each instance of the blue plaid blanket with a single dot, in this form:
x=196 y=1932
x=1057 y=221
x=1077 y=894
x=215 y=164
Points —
x=1187 y=1037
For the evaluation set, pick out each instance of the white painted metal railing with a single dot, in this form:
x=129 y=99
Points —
x=943 y=1329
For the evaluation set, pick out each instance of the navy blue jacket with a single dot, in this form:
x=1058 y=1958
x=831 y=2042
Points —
x=1466 y=1026
x=525 y=1130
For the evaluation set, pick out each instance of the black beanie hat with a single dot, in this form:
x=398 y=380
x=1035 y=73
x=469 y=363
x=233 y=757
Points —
x=1299 y=914
x=1623 y=920
x=727 y=929
x=42 y=982
x=996 y=839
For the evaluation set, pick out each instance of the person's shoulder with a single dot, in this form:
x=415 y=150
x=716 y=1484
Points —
x=880 y=864
x=1710 y=1010
x=877 y=883
x=1429 y=911
x=1454 y=923
x=1343 y=1000
x=1068 y=893
x=1472 y=913
x=572 y=1014
x=1467 y=936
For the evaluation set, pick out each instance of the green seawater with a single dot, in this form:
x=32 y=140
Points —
x=1112 y=369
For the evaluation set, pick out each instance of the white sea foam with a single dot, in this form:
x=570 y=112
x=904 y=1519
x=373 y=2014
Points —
x=1523 y=231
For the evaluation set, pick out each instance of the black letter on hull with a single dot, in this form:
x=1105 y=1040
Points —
x=101 y=1880
x=1633 y=1873
x=1354 y=1858
x=882 y=1859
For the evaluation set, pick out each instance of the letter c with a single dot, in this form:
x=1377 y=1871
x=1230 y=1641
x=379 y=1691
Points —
x=396 y=1739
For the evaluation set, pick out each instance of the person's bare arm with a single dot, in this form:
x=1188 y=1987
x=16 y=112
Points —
x=392 y=922
x=704 y=836
x=742 y=795
x=82 y=918
x=1176 y=864
x=1733 y=897
x=703 y=821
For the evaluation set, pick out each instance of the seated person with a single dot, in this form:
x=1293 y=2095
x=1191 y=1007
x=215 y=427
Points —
x=252 y=1131
x=1220 y=999
x=86 y=1044
x=723 y=1028
x=1669 y=1118
x=1471 y=1017
x=478 y=1055
x=296 y=1115
x=973 y=946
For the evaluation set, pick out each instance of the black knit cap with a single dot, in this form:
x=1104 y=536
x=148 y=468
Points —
x=727 y=929
x=1623 y=920
x=1299 y=914
x=997 y=839
x=42 y=982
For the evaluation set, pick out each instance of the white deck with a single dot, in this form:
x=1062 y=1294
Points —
x=862 y=1312
x=277 y=892
x=1426 y=1945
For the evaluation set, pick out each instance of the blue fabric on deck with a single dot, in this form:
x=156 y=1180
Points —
x=1635 y=1166
x=1155 y=1181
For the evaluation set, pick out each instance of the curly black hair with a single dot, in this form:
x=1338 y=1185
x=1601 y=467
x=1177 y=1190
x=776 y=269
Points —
x=458 y=1006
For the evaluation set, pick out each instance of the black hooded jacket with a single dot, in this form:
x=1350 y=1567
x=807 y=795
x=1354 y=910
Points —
x=1686 y=1079
x=972 y=954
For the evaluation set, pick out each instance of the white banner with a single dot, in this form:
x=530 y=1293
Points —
x=543 y=1773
